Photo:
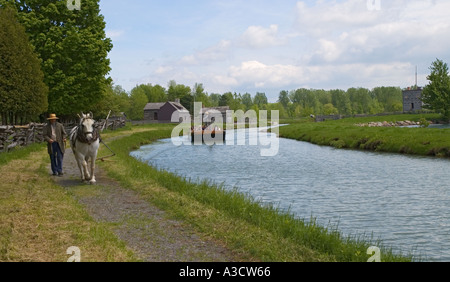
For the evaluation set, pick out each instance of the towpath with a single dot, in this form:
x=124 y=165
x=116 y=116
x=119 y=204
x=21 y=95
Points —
x=143 y=227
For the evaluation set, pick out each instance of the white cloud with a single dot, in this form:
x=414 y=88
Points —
x=260 y=37
x=225 y=80
x=328 y=50
x=163 y=69
x=325 y=17
x=349 y=32
x=259 y=75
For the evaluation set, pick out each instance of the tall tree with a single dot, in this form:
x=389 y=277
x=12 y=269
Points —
x=214 y=99
x=283 y=99
x=302 y=97
x=260 y=99
x=177 y=91
x=182 y=92
x=390 y=98
x=121 y=99
x=324 y=97
x=116 y=100
x=23 y=94
x=73 y=47
x=341 y=101
x=200 y=95
x=226 y=99
x=138 y=100
x=329 y=109
x=155 y=94
x=360 y=99
x=436 y=95
x=247 y=101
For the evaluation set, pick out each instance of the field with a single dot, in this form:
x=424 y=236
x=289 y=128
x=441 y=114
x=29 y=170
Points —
x=345 y=134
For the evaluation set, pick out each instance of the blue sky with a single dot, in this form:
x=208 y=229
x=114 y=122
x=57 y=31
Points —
x=268 y=46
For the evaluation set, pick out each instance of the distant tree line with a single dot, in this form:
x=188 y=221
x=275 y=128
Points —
x=304 y=102
x=291 y=104
x=295 y=103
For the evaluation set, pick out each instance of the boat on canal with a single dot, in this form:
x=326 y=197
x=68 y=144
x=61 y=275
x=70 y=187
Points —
x=208 y=134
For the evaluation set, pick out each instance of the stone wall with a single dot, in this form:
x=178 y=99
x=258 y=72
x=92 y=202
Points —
x=14 y=136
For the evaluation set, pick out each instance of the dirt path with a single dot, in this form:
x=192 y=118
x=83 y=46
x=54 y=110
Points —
x=144 y=228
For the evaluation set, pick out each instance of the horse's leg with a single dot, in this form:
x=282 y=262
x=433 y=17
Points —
x=79 y=158
x=92 y=181
x=93 y=159
x=87 y=176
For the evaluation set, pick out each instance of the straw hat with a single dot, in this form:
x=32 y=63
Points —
x=53 y=117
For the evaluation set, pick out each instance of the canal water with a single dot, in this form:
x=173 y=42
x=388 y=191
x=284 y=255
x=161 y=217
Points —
x=402 y=200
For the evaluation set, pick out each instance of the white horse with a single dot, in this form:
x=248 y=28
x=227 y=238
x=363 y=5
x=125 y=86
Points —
x=85 y=141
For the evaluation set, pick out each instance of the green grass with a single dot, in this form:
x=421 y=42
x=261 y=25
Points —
x=19 y=153
x=343 y=134
x=255 y=231
x=40 y=220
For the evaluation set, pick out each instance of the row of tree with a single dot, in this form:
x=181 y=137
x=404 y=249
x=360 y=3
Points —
x=304 y=102
x=290 y=104
x=134 y=102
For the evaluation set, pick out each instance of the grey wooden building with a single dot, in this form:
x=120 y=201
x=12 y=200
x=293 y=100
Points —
x=412 y=100
x=168 y=112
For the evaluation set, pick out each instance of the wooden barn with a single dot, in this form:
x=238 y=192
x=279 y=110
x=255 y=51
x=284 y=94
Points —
x=168 y=112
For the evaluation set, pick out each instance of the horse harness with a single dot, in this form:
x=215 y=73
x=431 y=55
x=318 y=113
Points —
x=77 y=134
x=81 y=136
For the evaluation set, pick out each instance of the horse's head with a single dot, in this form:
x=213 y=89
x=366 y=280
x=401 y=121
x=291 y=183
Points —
x=87 y=126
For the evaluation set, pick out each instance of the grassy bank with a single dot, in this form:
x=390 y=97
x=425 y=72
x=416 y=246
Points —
x=40 y=220
x=344 y=134
x=235 y=219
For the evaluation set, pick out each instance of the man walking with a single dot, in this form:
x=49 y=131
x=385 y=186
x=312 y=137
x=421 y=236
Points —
x=55 y=135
